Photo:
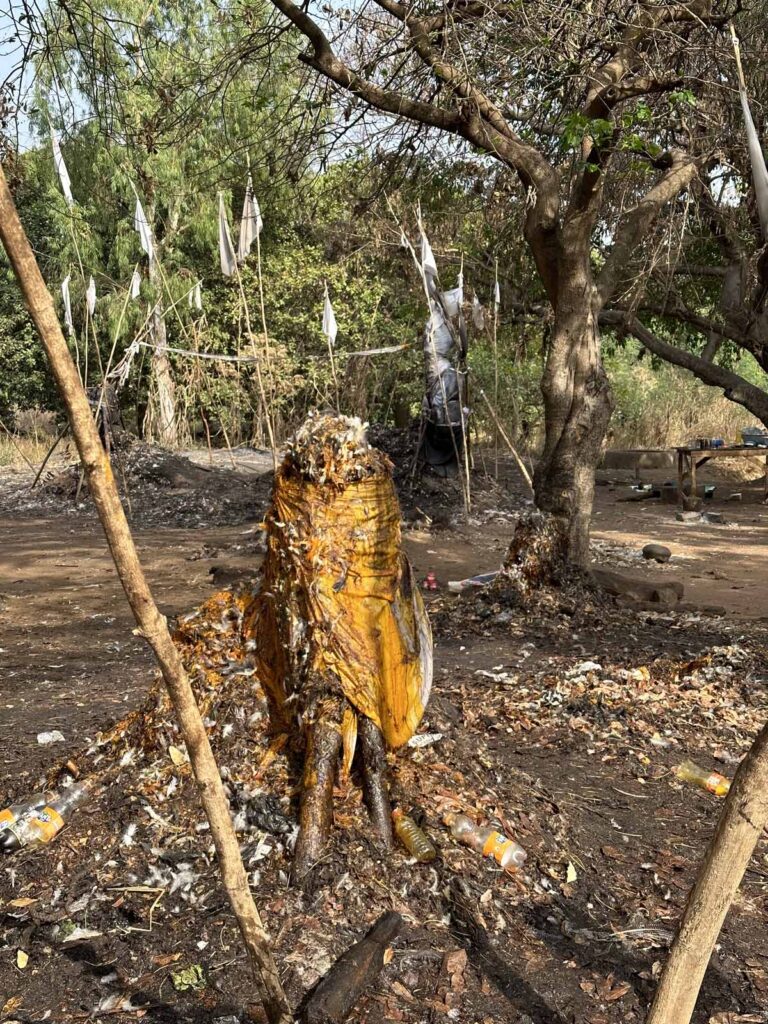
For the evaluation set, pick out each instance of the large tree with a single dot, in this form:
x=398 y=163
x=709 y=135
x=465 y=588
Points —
x=582 y=103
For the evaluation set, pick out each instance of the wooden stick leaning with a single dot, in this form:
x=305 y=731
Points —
x=520 y=464
x=151 y=624
x=743 y=818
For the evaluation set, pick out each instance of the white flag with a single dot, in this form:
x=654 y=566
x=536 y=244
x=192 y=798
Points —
x=454 y=299
x=141 y=224
x=61 y=168
x=250 y=223
x=67 y=304
x=428 y=264
x=330 y=328
x=478 y=313
x=90 y=296
x=135 y=284
x=757 y=160
x=497 y=295
x=194 y=297
x=226 y=252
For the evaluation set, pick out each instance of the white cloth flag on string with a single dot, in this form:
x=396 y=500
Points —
x=496 y=295
x=195 y=297
x=90 y=296
x=62 y=171
x=67 y=304
x=226 y=252
x=251 y=223
x=141 y=224
x=330 y=327
x=135 y=284
x=428 y=264
x=478 y=313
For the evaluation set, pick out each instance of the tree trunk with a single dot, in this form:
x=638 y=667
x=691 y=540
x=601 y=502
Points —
x=744 y=817
x=578 y=406
x=161 y=422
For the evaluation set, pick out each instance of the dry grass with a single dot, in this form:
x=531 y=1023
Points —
x=18 y=452
x=662 y=408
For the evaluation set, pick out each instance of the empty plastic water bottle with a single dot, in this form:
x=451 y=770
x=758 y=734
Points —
x=40 y=824
x=9 y=816
x=486 y=841
x=412 y=837
x=713 y=782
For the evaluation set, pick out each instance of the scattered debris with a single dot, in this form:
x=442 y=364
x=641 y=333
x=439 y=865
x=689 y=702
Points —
x=45 y=738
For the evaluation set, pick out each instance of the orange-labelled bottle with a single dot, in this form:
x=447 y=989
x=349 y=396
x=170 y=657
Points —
x=42 y=824
x=486 y=841
x=713 y=782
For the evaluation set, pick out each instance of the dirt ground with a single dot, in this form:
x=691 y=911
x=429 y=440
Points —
x=561 y=723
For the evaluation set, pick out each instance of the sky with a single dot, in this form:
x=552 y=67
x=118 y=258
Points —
x=10 y=55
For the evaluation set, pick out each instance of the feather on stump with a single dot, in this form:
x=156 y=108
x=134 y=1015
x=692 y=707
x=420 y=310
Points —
x=339 y=627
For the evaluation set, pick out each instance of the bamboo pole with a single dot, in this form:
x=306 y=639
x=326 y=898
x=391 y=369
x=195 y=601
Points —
x=520 y=464
x=741 y=824
x=151 y=624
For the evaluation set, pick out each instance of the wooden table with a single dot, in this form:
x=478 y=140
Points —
x=689 y=460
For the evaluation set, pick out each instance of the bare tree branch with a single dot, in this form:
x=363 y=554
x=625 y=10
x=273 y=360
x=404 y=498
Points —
x=638 y=220
x=732 y=384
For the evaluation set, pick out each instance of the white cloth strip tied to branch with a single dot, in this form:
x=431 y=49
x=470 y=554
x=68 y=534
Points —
x=251 y=223
x=135 y=284
x=496 y=294
x=478 y=313
x=428 y=264
x=67 y=304
x=195 y=297
x=330 y=327
x=756 y=158
x=141 y=224
x=90 y=296
x=119 y=373
x=226 y=249
x=61 y=168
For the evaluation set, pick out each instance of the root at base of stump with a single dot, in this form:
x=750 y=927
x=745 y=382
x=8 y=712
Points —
x=324 y=743
x=374 y=758
x=316 y=813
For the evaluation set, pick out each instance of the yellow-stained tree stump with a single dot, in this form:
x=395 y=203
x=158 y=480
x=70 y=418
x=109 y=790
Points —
x=342 y=640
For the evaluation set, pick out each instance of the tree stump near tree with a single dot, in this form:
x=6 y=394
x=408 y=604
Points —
x=341 y=639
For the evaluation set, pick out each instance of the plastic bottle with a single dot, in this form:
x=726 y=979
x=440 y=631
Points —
x=713 y=782
x=413 y=838
x=486 y=841
x=42 y=823
x=9 y=816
